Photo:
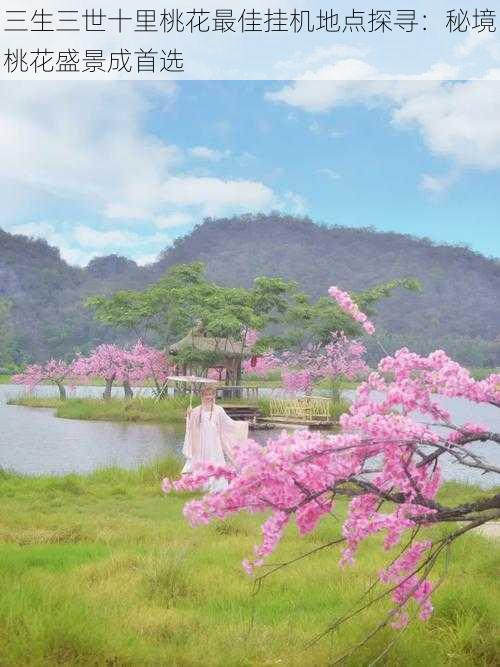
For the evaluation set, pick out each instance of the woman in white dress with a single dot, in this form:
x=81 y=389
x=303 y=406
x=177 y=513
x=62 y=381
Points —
x=210 y=435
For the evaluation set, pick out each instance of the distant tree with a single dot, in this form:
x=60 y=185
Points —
x=109 y=362
x=116 y=364
x=310 y=323
x=54 y=372
x=185 y=300
x=339 y=358
x=149 y=364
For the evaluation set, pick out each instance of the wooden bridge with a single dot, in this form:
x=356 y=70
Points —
x=251 y=394
x=303 y=410
x=295 y=411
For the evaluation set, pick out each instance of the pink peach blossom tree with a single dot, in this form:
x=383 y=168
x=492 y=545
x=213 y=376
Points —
x=108 y=362
x=339 y=358
x=147 y=363
x=386 y=459
x=116 y=364
x=52 y=372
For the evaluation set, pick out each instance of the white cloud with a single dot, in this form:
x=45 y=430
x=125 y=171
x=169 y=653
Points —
x=124 y=242
x=38 y=230
x=474 y=41
x=437 y=184
x=211 y=154
x=294 y=203
x=317 y=128
x=293 y=67
x=144 y=260
x=215 y=194
x=172 y=220
x=120 y=211
x=85 y=148
x=457 y=120
x=94 y=238
x=67 y=141
x=44 y=230
x=158 y=239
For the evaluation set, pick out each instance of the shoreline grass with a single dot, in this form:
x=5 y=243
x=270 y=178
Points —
x=136 y=410
x=103 y=569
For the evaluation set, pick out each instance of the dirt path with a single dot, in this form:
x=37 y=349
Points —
x=491 y=530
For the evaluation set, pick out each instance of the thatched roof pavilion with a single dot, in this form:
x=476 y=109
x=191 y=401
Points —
x=231 y=351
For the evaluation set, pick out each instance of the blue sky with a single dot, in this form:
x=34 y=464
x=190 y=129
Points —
x=126 y=167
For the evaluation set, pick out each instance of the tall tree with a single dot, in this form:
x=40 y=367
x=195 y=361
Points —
x=184 y=300
x=308 y=323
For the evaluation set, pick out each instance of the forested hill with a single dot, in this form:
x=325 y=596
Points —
x=457 y=309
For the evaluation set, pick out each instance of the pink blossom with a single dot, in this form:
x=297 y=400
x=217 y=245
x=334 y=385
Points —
x=297 y=381
x=53 y=371
x=113 y=363
x=340 y=357
x=294 y=478
x=348 y=306
x=218 y=374
x=261 y=365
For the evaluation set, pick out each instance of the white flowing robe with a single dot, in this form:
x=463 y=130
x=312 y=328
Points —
x=210 y=435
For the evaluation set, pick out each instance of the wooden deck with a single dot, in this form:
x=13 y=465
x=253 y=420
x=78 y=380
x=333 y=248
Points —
x=253 y=415
x=293 y=421
x=241 y=412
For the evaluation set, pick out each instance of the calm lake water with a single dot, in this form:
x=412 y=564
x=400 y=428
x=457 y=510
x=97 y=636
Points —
x=34 y=442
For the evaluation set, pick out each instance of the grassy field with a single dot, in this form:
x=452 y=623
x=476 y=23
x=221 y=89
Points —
x=103 y=570
x=138 y=410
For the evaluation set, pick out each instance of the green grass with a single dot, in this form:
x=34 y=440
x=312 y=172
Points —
x=104 y=570
x=137 y=410
x=481 y=373
x=273 y=381
x=5 y=379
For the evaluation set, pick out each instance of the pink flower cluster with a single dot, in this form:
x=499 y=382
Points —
x=339 y=357
x=348 y=306
x=297 y=381
x=111 y=362
x=378 y=452
x=409 y=586
x=218 y=374
x=54 y=371
x=262 y=365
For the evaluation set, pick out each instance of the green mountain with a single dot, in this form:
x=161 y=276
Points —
x=457 y=309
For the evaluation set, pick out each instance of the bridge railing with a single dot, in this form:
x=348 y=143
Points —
x=250 y=394
x=303 y=408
